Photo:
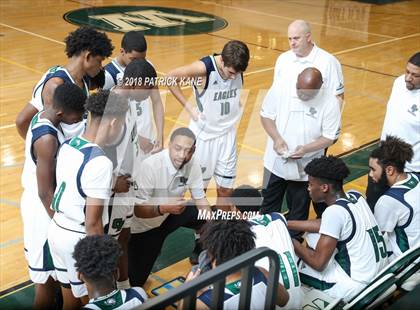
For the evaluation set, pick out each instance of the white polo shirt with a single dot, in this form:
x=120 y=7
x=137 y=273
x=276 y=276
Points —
x=402 y=119
x=288 y=66
x=299 y=123
x=158 y=182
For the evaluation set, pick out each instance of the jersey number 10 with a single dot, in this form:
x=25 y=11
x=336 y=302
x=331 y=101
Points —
x=224 y=108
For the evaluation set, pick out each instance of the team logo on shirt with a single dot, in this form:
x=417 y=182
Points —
x=153 y=20
x=312 y=112
x=413 y=109
x=183 y=181
x=110 y=302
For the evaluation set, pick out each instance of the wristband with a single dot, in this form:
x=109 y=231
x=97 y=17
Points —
x=123 y=285
x=158 y=210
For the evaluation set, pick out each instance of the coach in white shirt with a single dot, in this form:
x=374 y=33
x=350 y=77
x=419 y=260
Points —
x=161 y=182
x=300 y=126
x=305 y=53
x=402 y=120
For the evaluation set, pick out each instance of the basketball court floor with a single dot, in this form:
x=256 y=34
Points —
x=372 y=41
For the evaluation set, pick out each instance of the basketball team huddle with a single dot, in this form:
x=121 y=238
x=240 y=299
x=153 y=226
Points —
x=102 y=192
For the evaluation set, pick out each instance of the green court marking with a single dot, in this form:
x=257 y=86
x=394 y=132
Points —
x=180 y=243
x=358 y=162
x=152 y=20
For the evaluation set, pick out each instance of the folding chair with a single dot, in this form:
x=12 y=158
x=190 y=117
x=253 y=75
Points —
x=375 y=294
x=401 y=263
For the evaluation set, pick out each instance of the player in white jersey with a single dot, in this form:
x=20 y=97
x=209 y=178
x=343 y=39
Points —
x=134 y=46
x=38 y=180
x=83 y=178
x=97 y=265
x=86 y=48
x=127 y=154
x=345 y=249
x=225 y=240
x=270 y=231
x=218 y=109
x=398 y=210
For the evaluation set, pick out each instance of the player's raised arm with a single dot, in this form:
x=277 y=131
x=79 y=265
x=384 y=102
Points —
x=194 y=70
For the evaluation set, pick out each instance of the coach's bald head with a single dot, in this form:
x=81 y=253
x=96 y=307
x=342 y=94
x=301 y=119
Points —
x=308 y=83
x=300 y=38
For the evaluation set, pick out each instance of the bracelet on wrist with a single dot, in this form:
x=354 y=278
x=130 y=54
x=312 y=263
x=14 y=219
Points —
x=158 y=210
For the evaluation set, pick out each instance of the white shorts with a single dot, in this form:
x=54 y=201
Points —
x=120 y=213
x=296 y=295
x=35 y=238
x=62 y=243
x=218 y=158
x=333 y=280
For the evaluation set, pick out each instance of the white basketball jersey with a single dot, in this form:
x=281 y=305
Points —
x=127 y=147
x=398 y=213
x=219 y=103
x=271 y=231
x=56 y=71
x=69 y=131
x=363 y=253
x=231 y=293
x=82 y=171
x=124 y=154
x=39 y=127
x=114 y=74
x=119 y=300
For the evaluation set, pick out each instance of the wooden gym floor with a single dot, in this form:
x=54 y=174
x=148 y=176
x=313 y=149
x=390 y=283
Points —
x=372 y=42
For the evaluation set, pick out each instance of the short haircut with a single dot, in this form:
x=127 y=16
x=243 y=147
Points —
x=246 y=198
x=70 y=98
x=393 y=152
x=235 y=54
x=106 y=103
x=225 y=240
x=140 y=72
x=329 y=170
x=97 y=257
x=415 y=59
x=88 y=39
x=182 y=131
x=134 y=41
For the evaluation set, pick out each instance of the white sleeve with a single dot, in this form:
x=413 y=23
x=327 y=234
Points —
x=337 y=79
x=331 y=122
x=195 y=182
x=96 y=178
x=386 y=129
x=141 y=292
x=333 y=221
x=387 y=213
x=128 y=220
x=109 y=81
x=144 y=183
x=269 y=105
x=36 y=99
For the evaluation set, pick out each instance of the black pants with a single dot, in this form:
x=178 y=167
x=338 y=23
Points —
x=319 y=208
x=144 y=248
x=374 y=191
x=297 y=197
